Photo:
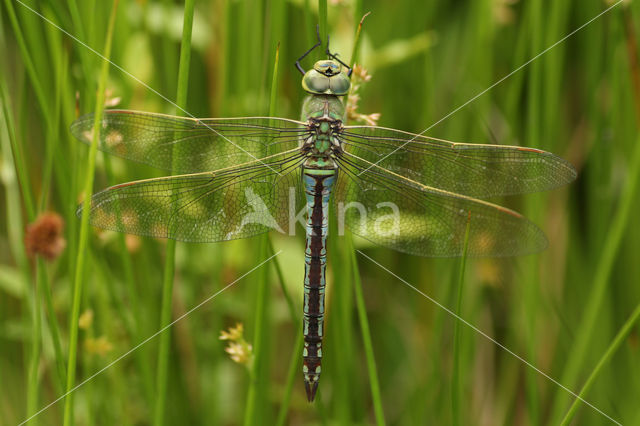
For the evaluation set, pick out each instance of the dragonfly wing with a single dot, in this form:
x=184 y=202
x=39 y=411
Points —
x=475 y=170
x=186 y=145
x=238 y=202
x=407 y=216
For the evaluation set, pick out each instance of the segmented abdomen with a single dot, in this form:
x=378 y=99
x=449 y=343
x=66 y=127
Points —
x=318 y=186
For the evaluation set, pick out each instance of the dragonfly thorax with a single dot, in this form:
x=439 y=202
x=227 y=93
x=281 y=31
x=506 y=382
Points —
x=322 y=142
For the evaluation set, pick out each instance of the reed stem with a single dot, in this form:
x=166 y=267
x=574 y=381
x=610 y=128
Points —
x=170 y=251
x=79 y=279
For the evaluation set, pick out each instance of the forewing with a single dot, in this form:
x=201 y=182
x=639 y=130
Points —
x=407 y=216
x=475 y=170
x=187 y=145
x=238 y=202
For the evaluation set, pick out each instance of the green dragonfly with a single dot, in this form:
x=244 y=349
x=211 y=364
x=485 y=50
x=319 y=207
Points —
x=246 y=176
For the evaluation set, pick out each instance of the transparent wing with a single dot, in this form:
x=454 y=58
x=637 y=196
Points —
x=404 y=215
x=233 y=203
x=475 y=170
x=188 y=145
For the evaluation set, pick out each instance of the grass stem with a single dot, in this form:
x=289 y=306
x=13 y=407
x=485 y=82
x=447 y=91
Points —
x=604 y=268
x=170 y=251
x=259 y=372
x=456 y=382
x=292 y=374
x=604 y=360
x=324 y=26
x=374 y=381
x=34 y=364
x=355 y=52
x=78 y=282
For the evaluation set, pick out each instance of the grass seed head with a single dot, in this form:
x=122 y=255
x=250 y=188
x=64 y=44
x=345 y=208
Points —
x=238 y=348
x=358 y=78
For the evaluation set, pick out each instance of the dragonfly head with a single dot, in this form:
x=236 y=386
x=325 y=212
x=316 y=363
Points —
x=326 y=78
x=328 y=67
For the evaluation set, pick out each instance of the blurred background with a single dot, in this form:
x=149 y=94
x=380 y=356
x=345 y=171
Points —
x=560 y=310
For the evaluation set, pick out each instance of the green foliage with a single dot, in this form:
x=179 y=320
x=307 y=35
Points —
x=569 y=311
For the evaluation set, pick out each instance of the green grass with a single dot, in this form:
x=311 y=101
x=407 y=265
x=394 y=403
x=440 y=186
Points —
x=79 y=274
x=456 y=393
x=571 y=311
x=166 y=313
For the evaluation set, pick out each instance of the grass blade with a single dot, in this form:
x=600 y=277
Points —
x=259 y=370
x=356 y=43
x=606 y=357
x=294 y=364
x=374 y=382
x=292 y=375
x=170 y=252
x=324 y=26
x=28 y=63
x=617 y=229
x=603 y=271
x=36 y=335
x=456 y=385
x=78 y=282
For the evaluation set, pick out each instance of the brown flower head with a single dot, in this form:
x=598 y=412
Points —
x=44 y=236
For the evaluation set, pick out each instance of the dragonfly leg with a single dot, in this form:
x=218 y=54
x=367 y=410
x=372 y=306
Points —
x=335 y=56
x=298 y=66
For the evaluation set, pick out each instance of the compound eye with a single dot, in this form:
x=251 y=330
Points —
x=315 y=82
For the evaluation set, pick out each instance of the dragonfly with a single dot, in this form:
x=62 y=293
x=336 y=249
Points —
x=244 y=176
